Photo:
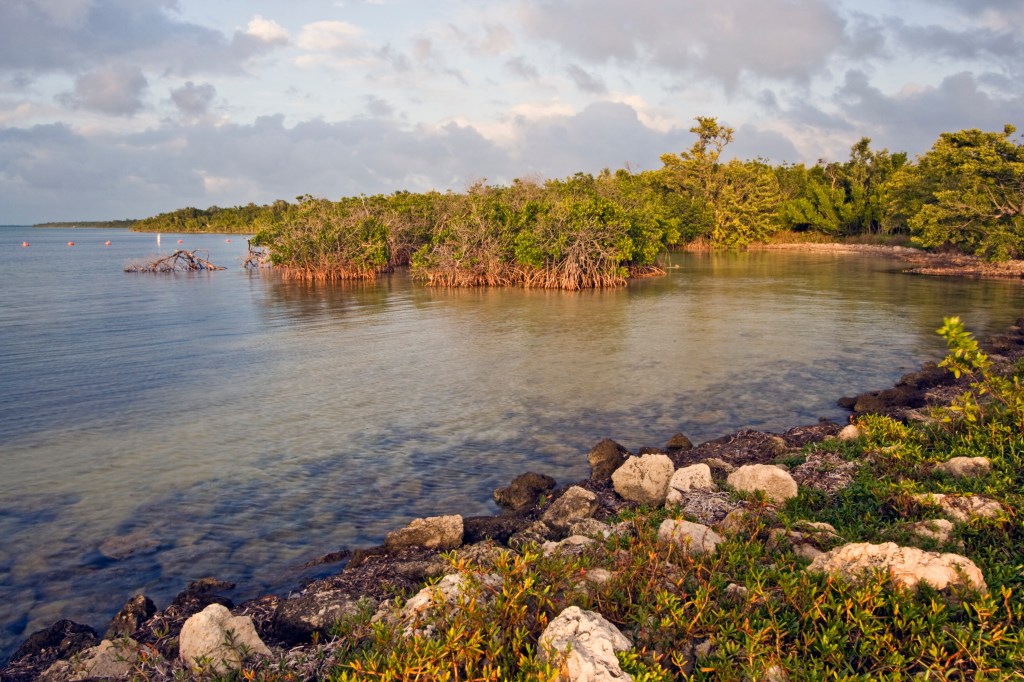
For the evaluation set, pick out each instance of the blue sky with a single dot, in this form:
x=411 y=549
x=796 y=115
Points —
x=127 y=108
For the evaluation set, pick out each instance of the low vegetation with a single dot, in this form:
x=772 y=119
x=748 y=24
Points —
x=966 y=194
x=778 y=621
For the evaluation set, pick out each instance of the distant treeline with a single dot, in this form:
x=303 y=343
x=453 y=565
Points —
x=91 y=223
x=965 y=194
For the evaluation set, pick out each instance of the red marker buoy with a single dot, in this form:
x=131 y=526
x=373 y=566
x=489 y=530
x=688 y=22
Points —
x=24 y=243
x=106 y=243
x=228 y=241
x=179 y=241
x=71 y=243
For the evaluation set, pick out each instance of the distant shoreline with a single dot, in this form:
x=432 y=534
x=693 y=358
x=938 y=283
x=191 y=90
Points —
x=120 y=224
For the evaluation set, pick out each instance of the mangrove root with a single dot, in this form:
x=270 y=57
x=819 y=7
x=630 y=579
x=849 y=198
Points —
x=179 y=261
x=257 y=258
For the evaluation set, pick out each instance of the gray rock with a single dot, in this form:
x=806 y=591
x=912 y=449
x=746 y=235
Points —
x=679 y=442
x=132 y=615
x=694 y=538
x=775 y=483
x=965 y=467
x=574 y=545
x=536 y=534
x=605 y=458
x=644 y=480
x=575 y=504
x=907 y=565
x=433 y=532
x=584 y=644
x=219 y=638
x=524 y=490
x=296 y=619
x=108 y=660
x=591 y=528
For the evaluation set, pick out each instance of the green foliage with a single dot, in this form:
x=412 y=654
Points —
x=967 y=192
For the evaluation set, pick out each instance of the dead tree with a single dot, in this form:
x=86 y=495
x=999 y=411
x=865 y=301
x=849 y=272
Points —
x=179 y=261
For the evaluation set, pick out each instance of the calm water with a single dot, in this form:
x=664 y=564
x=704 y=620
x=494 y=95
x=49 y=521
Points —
x=228 y=424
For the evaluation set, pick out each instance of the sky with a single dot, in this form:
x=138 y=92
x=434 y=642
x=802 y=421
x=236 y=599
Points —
x=113 y=109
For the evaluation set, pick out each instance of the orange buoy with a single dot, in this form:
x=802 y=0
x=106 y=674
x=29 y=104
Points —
x=24 y=243
x=71 y=243
x=106 y=243
x=228 y=241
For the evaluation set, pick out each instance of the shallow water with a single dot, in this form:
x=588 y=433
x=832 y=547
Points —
x=229 y=424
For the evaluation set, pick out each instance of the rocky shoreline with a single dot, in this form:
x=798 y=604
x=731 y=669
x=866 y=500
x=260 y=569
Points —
x=537 y=512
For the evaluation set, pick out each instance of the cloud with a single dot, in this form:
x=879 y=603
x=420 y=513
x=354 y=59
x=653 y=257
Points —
x=585 y=81
x=72 y=36
x=115 y=90
x=782 y=39
x=330 y=36
x=192 y=99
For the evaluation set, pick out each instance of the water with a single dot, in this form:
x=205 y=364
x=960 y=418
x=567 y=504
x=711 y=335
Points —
x=229 y=424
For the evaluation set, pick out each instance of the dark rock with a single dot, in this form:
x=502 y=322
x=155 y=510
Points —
x=524 y=490
x=130 y=618
x=679 y=442
x=605 y=458
x=298 y=618
x=650 y=451
x=497 y=528
x=43 y=648
x=535 y=534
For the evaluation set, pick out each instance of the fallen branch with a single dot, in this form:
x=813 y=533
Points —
x=179 y=261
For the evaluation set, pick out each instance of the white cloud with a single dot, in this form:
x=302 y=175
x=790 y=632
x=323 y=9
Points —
x=329 y=36
x=267 y=30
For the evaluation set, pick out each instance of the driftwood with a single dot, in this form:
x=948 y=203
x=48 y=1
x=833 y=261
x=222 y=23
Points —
x=179 y=261
x=257 y=258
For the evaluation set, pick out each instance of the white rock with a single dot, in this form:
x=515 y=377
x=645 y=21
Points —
x=693 y=477
x=574 y=544
x=962 y=508
x=446 y=593
x=222 y=639
x=775 y=483
x=695 y=538
x=907 y=565
x=939 y=530
x=644 y=480
x=965 y=467
x=850 y=432
x=433 y=532
x=584 y=643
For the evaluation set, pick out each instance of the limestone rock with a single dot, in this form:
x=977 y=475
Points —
x=644 y=480
x=524 y=490
x=679 y=442
x=108 y=660
x=584 y=642
x=433 y=532
x=940 y=530
x=575 y=503
x=605 y=458
x=907 y=565
x=850 y=432
x=591 y=528
x=215 y=635
x=447 y=594
x=536 y=533
x=693 y=477
x=574 y=545
x=297 y=618
x=962 y=508
x=132 y=615
x=965 y=467
x=695 y=538
x=775 y=483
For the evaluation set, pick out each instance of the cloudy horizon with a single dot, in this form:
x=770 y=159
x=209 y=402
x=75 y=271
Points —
x=115 y=109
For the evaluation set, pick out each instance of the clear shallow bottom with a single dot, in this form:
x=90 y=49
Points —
x=229 y=424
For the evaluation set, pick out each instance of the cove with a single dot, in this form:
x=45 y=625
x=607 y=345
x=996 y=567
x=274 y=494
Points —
x=156 y=429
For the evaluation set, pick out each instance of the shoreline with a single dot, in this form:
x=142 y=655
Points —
x=377 y=573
